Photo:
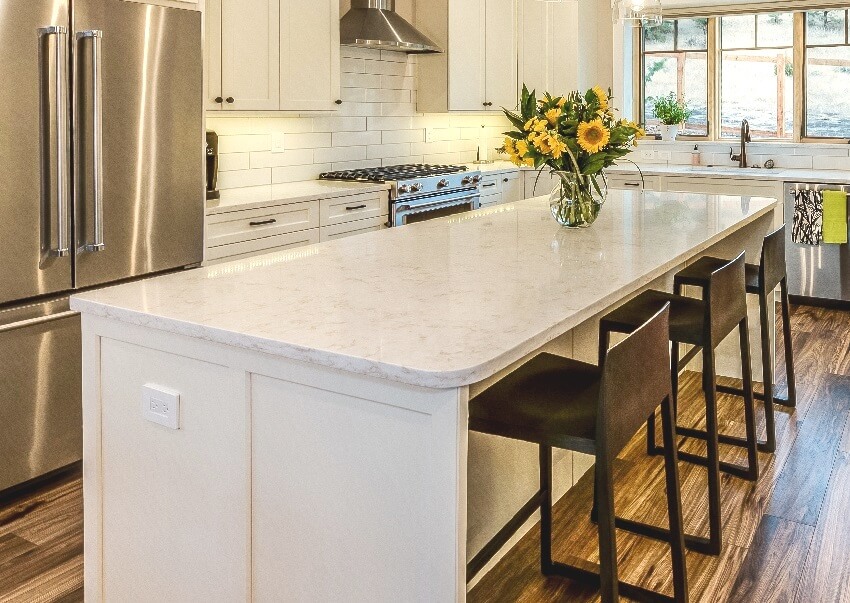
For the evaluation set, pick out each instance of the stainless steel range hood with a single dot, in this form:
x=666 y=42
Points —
x=375 y=24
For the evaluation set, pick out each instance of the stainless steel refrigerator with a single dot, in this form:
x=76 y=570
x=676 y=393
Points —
x=101 y=180
x=817 y=274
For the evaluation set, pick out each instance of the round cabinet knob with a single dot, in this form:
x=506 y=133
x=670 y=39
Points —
x=230 y=100
x=443 y=183
x=338 y=101
x=403 y=189
x=218 y=99
x=506 y=180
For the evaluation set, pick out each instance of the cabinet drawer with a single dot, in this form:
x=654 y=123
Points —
x=490 y=200
x=246 y=225
x=341 y=231
x=633 y=181
x=721 y=186
x=245 y=249
x=340 y=210
x=491 y=184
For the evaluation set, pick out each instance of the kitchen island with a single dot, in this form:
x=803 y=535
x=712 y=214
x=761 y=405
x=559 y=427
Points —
x=322 y=451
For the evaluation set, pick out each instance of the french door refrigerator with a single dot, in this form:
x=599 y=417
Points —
x=101 y=180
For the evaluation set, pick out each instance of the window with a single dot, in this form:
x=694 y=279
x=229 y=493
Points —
x=827 y=109
x=757 y=70
x=742 y=66
x=676 y=60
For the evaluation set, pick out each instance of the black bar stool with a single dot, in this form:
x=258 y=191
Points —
x=762 y=280
x=703 y=325
x=557 y=402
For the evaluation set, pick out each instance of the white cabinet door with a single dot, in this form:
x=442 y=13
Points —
x=548 y=34
x=309 y=55
x=467 y=49
x=500 y=54
x=250 y=55
x=512 y=188
x=212 y=57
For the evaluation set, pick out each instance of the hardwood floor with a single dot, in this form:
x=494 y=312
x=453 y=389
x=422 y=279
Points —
x=786 y=538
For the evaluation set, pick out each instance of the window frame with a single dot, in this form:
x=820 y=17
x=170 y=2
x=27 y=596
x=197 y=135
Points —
x=715 y=75
x=801 y=31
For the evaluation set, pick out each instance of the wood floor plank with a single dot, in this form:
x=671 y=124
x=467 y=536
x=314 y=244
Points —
x=826 y=573
x=773 y=566
x=801 y=487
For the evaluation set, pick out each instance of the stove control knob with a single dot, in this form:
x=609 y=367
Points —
x=476 y=179
x=466 y=180
x=443 y=183
x=416 y=188
x=403 y=189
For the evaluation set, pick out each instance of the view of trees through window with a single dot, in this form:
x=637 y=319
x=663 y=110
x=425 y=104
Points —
x=827 y=74
x=754 y=73
x=676 y=60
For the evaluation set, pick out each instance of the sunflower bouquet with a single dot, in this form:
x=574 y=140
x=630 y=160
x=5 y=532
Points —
x=577 y=136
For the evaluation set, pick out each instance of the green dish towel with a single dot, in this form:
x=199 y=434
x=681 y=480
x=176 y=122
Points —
x=835 y=217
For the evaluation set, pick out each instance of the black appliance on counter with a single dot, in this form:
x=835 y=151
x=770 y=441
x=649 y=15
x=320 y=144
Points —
x=212 y=166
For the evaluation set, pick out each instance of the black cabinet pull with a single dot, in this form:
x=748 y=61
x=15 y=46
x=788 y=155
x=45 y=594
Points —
x=263 y=222
x=218 y=99
x=230 y=100
x=355 y=207
x=507 y=179
x=338 y=101
x=489 y=185
x=632 y=183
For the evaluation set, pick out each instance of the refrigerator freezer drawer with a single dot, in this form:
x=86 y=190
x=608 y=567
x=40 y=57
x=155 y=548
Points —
x=40 y=392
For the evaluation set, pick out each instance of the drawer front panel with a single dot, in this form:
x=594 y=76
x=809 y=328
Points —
x=341 y=231
x=633 y=182
x=491 y=184
x=341 y=210
x=721 y=186
x=254 y=247
x=247 y=225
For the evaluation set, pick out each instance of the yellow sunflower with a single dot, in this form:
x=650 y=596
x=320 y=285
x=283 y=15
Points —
x=593 y=136
x=561 y=102
x=552 y=116
x=603 y=98
x=521 y=148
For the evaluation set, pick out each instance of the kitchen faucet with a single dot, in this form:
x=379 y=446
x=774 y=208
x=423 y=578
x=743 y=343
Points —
x=745 y=138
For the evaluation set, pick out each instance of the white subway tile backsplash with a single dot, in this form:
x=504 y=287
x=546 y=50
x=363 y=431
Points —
x=311 y=140
x=832 y=163
x=266 y=159
x=360 y=80
x=230 y=162
x=337 y=123
x=244 y=143
x=381 y=151
x=396 y=136
x=334 y=155
x=240 y=178
x=387 y=68
x=353 y=139
x=396 y=82
x=390 y=123
x=350 y=65
x=378 y=95
x=298 y=173
x=398 y=109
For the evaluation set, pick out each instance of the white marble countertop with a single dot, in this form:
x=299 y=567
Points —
x=442 y=303
x=291 y=192
x=777 y=174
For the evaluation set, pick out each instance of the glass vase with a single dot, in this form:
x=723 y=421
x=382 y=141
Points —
x=575 y=201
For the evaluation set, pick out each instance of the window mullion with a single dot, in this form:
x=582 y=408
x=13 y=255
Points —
x=799 y=76
x=714 y=75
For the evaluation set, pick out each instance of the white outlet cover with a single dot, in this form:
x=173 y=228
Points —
x=278 y=142
x=161 y=405
x=430 y=135
x=647 y=154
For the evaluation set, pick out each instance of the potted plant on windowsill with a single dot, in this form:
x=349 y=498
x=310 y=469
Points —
x=672 y=113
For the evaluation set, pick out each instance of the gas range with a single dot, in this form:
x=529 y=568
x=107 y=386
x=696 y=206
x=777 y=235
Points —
x=420 y=192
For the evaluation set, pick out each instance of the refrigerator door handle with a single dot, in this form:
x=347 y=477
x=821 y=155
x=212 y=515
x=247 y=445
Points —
x=62 y=132
x=96 y=243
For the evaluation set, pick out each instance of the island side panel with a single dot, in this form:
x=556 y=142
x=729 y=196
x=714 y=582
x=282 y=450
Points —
x=92 y=477
x=374 y=473
x=358 y=489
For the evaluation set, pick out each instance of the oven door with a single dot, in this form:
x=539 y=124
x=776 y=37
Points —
x=409 y=211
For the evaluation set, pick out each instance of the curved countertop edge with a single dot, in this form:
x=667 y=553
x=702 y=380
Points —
x=410 y=376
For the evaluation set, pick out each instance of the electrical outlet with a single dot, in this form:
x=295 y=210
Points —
x=647 y=154
x=278 y=142
x=161 y=405
x=430 y=135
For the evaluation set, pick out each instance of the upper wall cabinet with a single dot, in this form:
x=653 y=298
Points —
x=548 y=46
x=272 y=55
x=478 y=71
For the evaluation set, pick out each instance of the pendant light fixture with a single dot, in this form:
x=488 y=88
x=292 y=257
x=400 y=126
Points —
x=647 y=13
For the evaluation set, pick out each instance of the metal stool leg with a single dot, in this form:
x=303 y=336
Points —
x=789 y=347
x=609 y=583
x=749 y=401
x=767 y=362
x=674 y=502
x=545 y=509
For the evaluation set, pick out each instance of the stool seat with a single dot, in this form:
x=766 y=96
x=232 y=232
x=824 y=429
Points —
x=699 y=273
x=687 y=316
x=549 y=400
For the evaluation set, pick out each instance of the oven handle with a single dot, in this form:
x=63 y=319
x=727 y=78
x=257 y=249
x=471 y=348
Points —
x=436 y=204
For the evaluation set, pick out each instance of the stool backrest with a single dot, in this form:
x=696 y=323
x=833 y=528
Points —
x=635 y=380
x=773 y=269
x=727 y=299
